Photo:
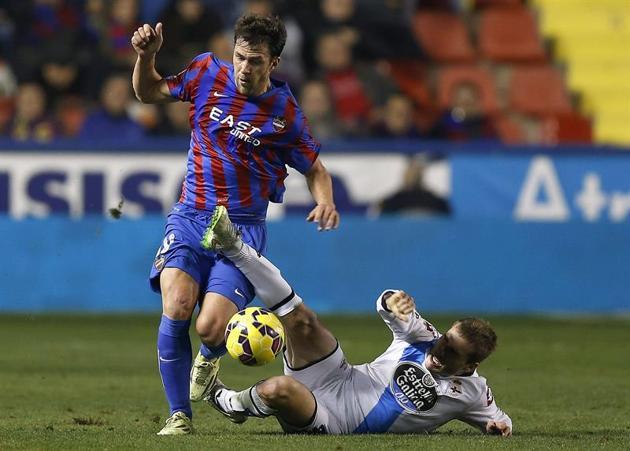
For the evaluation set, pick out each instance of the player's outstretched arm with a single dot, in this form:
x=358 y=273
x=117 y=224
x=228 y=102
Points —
x=148 y=85
x=486 y=416
x=320 y=184
x=398 y=310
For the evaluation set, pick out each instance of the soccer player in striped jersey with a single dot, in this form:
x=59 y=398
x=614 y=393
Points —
x=246 y=128
x=421 y=381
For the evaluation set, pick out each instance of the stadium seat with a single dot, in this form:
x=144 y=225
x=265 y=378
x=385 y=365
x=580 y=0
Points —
x=612 y=99
x=6 y=111
x=509 y=131
x=449 y=77
x=592 y=38
x=564 y=128
x=590 y=48
x=583 y=17
x=568 y=128
x=538 y=90
x=443 y=36
x=598 y=76
x=411 y=77
x=510 y=35
x=612 y=129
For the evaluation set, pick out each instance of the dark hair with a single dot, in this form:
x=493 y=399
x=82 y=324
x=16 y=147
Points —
x=256 y=30
x=480 y=335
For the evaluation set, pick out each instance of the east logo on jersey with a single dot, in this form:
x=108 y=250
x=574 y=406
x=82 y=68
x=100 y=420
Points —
x=240 y=146
x=240 y=129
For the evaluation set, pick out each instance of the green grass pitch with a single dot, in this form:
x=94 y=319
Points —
x=82 y=382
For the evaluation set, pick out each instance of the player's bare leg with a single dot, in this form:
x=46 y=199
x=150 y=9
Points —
x=215 y=312
x=179 y=293
x=290 y=399
x=307 y=339
x=280 y=396
x=179 y=297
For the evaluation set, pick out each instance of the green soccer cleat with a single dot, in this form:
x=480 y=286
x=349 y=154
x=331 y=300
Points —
x=177 y=424
x=221 y=234
x=218 y=400
x=203 y=376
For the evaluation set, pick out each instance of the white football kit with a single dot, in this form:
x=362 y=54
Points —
x=394 y=393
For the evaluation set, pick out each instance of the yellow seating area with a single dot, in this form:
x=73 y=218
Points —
x=593 y=38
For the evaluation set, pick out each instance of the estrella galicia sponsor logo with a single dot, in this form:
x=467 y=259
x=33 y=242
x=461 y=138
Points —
x=414 y=388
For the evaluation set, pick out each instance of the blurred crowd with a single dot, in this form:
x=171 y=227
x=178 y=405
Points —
x=65 y=67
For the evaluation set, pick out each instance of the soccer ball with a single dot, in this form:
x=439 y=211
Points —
x=254 y=336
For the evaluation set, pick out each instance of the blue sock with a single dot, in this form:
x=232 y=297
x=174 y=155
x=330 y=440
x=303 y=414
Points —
x=212 y=352
x=175 y=360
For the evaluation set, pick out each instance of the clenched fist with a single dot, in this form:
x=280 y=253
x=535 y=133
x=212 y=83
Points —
x=147 y=41
x=401 y=305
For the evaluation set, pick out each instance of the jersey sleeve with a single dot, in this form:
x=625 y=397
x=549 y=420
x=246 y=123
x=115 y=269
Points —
x=302 y=152
x=415 y=330
x=483 y=410
x=183 y=86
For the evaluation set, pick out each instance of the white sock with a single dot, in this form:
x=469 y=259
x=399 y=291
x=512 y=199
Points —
x=271 y=288
x=250 y=401
x=226 y=398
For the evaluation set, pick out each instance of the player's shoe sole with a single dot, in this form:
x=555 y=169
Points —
x=177 y=424
x=203 y=376
x=221 y=233
x=212 y=399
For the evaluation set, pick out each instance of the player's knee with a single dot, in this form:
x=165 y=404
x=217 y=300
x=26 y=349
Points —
x=302 y=321
x=178 y=304
x=277 y=389
x=211 y=330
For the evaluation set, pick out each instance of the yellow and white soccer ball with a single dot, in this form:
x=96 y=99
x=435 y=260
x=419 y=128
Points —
x=254 y=336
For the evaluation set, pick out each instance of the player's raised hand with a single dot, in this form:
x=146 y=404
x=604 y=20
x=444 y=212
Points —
x=498 y=428
x=146 y=40
x=401 y=305
x=325 y=215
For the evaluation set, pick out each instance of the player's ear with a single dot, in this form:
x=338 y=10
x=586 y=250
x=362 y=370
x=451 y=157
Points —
x=274 y=62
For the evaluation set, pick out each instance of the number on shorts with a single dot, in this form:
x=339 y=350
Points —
x=166 y=244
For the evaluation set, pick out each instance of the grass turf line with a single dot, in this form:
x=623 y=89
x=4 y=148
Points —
x=77 y=382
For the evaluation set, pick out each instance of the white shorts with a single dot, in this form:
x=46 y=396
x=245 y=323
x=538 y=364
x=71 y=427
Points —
x=328 y=379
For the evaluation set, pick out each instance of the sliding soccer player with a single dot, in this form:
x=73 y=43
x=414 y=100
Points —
x=423 y=380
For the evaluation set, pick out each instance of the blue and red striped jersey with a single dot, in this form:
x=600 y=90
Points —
x=239 y=145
